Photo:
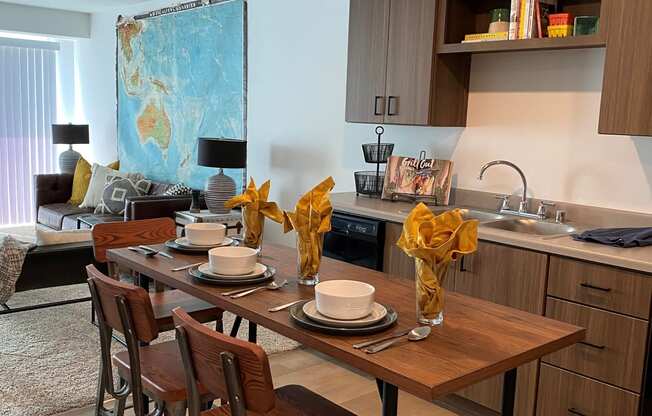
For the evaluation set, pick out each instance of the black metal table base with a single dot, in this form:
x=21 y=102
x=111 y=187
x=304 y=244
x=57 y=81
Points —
x=8 y=310
x=389 y=395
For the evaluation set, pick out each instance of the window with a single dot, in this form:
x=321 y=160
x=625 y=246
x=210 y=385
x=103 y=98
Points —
x=27 y=111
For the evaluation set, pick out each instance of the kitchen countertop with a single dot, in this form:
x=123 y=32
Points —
x=639 y=258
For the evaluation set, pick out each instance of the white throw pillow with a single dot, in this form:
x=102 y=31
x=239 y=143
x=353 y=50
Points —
x=50 y=238
x=99 y=175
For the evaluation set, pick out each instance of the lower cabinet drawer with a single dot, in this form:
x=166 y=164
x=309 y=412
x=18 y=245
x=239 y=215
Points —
x=564 y=393
x=613 y=350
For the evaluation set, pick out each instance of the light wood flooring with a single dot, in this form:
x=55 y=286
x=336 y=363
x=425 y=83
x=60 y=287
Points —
x=342 y=385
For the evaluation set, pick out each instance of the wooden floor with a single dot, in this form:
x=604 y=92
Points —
x=342 y=385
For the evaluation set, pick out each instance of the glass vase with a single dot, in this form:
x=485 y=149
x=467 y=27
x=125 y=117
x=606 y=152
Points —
x=430 y=291
x=309 y=253
x=253 y=227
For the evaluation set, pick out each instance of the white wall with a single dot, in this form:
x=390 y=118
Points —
x=44 y=21
x=537 y=109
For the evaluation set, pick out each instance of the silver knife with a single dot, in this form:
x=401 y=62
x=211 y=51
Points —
x=369 y=342
x=287 y=305
x=186 y=267
x=236 y=291
x=159 y=252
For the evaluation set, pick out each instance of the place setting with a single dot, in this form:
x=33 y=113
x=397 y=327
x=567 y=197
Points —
x=343 y=307
x=201 y=237
x=232 y=266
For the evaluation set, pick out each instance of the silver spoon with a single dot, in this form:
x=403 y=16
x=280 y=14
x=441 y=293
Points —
x=417 y=334
x=270 y=286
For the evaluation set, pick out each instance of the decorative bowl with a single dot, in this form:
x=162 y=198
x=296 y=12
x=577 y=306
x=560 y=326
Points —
x=205 y=233
x=232 y=261
x=344 y=299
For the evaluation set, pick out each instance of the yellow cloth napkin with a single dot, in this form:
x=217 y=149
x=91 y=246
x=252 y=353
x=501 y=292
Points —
x=434 y=241
x=255 y=208
x=311 y=219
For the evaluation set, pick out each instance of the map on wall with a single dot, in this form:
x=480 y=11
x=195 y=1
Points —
x=181 y=75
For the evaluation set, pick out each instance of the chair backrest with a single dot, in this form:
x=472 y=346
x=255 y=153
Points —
x=110 y=235
x=204 y=352
x=106 y=292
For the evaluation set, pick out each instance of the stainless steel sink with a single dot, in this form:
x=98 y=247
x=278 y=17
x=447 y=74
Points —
x=482 y=216
x=526 y=226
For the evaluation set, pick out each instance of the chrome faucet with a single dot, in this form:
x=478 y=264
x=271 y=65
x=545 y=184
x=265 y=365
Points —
x=523 y=205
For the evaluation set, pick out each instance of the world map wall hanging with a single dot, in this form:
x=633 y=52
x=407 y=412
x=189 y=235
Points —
x=181 y=75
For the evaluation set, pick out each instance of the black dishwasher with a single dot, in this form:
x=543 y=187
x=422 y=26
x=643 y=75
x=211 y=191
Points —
x=356 y=240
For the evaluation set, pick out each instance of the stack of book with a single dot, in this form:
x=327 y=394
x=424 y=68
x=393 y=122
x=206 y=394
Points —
x=529 y=18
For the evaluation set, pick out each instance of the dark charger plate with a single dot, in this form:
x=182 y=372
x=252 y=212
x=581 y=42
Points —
x=268 y=275
x=301 y=319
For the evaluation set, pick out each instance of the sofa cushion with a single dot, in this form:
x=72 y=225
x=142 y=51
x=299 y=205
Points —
x=12 y=256
x=52 y=215
x=159 y=188
x=99 y=178
x=116 y=192
x=70 y=221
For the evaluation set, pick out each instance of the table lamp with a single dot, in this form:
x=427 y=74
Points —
x=223 y=154
x=69 y=134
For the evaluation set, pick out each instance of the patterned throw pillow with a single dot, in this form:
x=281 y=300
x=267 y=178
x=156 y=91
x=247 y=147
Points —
x=116 y=192
x=12 y=256
x=178 y=190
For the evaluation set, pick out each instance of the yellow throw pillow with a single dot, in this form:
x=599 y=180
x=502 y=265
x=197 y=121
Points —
x=82 y=178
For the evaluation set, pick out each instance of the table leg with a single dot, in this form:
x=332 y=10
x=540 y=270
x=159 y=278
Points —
x=389 y=396
x=253 y=332
x=143 y=281
x=509 y=393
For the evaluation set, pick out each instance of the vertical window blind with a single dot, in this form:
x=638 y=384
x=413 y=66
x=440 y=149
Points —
x=27 y=111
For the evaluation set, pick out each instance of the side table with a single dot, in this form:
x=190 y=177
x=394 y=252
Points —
x=232 y=220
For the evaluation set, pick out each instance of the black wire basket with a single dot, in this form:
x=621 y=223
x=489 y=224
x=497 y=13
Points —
x=369 y=183
x=377 y=153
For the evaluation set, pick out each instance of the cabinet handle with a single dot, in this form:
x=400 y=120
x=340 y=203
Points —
x=389 y=105
x=590 y=286
x=588 y=344
x=462 y=268
x=574 y=411
x=377 y=111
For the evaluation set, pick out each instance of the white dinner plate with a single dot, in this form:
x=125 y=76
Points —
x=259 y=270
x=378 y=312
x=184 y=242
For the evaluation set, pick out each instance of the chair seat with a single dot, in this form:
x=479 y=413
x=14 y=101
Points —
x=293 y=400
x=162 y=372
x=164 y=302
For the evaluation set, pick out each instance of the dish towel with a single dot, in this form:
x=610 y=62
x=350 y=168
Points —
x=618 y=237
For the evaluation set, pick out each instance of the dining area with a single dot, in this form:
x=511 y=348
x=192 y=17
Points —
x=408 y=334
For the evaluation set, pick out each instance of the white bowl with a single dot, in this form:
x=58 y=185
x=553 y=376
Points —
x=344 y=299
x=232 y=261
x=205 y=233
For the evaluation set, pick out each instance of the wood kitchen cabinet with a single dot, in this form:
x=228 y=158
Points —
x=627 y=86
x=513 y=277
x=394 y=75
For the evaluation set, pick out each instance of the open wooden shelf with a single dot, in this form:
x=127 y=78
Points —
x=572 y=42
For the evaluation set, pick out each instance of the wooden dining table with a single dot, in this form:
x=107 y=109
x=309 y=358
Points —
x=476 y=341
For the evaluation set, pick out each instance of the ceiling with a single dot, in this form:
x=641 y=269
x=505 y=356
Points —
x=88 y=6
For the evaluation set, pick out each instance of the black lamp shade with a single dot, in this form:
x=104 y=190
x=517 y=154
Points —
x=222 y=153
x=70 y=133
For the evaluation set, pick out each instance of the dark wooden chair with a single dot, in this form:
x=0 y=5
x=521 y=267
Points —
x=156 y=370
x=239 y=370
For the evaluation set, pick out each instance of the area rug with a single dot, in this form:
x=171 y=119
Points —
x=49 y=358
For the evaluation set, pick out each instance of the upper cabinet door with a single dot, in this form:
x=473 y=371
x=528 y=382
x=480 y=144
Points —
x=627 y=88
x=367 y=66
x=409 y=61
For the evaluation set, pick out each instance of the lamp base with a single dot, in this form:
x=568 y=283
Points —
x=68 y=161
x=219 y=189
